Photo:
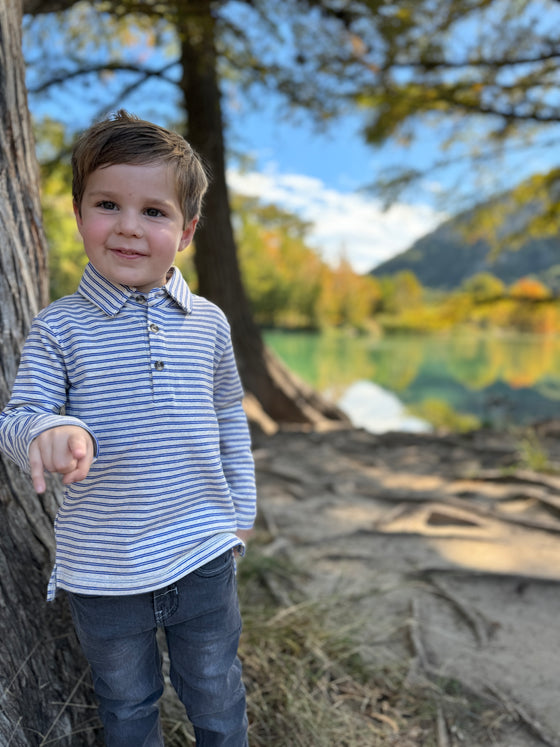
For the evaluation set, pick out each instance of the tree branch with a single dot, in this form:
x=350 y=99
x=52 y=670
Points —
x=103 y=68
x=493 y=63
x=40 y=7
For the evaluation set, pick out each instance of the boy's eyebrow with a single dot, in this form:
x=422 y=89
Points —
x=109 y=194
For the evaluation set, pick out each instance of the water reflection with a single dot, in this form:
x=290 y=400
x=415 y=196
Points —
x=497 y=379
x=371 y=407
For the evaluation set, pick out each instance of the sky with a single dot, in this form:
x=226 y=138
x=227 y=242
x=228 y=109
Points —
x=345 y=223
x=323 y=178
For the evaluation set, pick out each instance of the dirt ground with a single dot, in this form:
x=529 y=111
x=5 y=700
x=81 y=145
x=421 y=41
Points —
x=445 y=548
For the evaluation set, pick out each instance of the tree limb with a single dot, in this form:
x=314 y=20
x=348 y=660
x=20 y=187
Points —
x=117 y=67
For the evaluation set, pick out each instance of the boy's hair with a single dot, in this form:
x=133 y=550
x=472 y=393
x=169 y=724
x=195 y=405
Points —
x=125 y=139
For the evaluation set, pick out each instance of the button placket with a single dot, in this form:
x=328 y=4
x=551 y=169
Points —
x=157 y=347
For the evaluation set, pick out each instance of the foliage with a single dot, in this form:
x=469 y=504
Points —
x=484 y=287
x=531 y=453
x=477 y=76
x=443 y=417
x=287 y=282
x=530 y=289
x=401 y=290
x=66 y=258
x=510 y=311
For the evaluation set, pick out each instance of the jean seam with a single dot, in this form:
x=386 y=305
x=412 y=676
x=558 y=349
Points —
x=161 y=614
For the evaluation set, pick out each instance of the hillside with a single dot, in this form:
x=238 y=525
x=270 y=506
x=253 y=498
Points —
x=445 y=258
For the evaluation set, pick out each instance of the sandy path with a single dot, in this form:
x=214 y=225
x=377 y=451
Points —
x=444 y=541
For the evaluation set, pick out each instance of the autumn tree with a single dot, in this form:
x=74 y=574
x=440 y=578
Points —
x=479 y=79
x=530 y=289
x=484 y=287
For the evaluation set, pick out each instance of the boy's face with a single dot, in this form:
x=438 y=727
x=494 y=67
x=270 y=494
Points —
x=131 y=223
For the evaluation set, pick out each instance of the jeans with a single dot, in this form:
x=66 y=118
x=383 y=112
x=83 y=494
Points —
x=202 y=623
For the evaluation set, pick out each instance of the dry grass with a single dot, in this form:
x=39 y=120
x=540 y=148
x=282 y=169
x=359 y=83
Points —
x=308 y=685
x=305 y=684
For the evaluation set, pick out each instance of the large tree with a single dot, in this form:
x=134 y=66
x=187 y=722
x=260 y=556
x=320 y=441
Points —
x=204 y=39
x=216 y=256
x=43 y=676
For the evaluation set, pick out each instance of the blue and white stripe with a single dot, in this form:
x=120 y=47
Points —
x=153 y=379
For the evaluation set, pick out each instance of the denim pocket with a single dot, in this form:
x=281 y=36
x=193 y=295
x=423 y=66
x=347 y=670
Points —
x=216 y=566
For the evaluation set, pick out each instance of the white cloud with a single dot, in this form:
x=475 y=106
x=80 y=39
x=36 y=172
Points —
x=344 y=223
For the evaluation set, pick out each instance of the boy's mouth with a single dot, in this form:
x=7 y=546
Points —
x=122 y=252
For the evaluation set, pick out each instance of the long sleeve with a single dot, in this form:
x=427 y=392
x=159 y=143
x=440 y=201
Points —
x=235 y=439
x=38 y=396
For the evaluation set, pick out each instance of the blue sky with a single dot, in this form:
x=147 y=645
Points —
x=323 y=178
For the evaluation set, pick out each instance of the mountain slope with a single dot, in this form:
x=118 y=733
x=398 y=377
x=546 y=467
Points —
x=445 y=258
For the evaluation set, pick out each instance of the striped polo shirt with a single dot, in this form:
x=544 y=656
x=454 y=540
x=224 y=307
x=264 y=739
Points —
x=153 y=379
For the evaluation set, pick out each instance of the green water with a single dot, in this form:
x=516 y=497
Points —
x=497 y=379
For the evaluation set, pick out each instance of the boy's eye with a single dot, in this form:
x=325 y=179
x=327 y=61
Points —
x=106 y=205
x=153 y=212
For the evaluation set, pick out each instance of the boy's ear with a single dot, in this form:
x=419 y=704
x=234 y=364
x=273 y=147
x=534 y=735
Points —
x=77 y=213
x=188 y=234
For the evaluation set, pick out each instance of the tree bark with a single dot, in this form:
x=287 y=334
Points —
x=41 y=666
x=280 y=394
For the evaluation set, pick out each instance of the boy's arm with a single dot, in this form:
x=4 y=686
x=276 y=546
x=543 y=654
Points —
x=38 y=397
x=235 y=439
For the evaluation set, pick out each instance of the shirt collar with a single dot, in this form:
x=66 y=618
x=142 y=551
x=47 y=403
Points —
x=179 y=290
x=111 y=297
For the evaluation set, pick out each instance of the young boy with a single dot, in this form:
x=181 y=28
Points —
x=129 y=389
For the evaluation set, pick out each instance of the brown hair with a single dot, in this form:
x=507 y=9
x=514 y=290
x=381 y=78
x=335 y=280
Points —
x=125 y=139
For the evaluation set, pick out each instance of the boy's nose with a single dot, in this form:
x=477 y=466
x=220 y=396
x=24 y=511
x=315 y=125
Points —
x=128 y=224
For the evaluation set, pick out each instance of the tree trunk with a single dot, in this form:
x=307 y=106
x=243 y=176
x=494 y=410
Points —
x=41 y=666
x=279 y=393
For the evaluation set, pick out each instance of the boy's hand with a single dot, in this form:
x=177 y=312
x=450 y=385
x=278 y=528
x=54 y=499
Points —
x=243 y=535
x=67 y=449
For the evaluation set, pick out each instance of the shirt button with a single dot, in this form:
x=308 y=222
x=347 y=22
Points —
x=154 y=328
x=159 y=365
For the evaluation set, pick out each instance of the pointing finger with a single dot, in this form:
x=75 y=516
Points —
x=37 y=468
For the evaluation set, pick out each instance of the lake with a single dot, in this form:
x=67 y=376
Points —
x=417 y=382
